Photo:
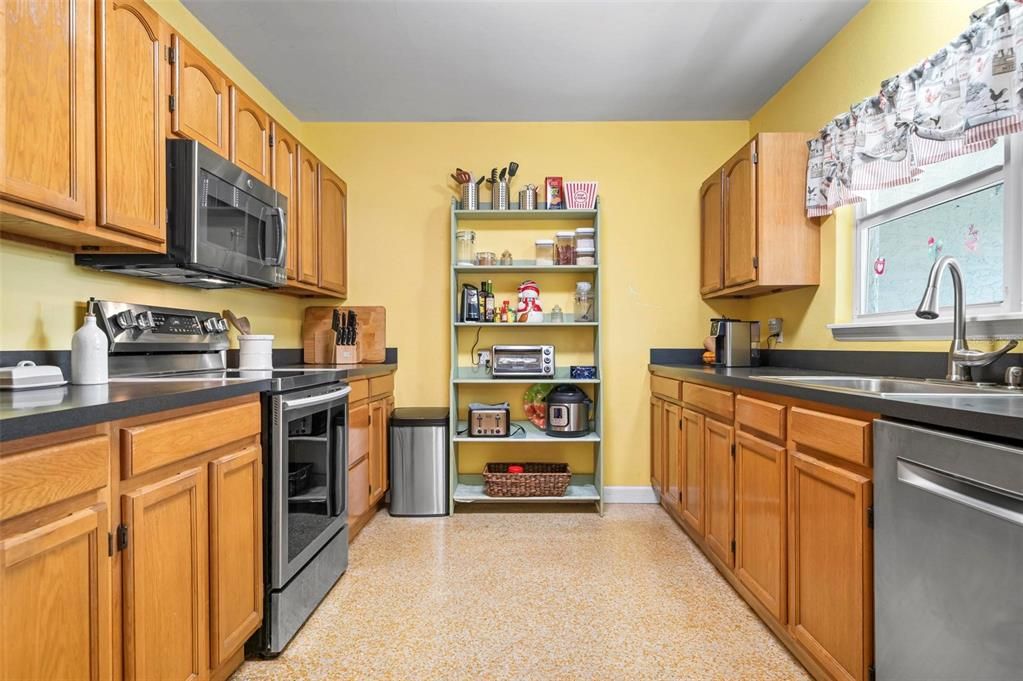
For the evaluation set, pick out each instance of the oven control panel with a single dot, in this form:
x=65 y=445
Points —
x=133 y=327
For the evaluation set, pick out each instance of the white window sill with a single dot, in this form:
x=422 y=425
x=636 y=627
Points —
x=978 y=327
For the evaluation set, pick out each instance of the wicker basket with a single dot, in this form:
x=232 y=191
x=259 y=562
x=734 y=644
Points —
x=538 y=480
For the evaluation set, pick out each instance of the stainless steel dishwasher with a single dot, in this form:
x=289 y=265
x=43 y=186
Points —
x=948 y=556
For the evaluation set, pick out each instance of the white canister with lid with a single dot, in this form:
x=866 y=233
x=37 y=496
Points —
x=89 y=354
x=585 y=238
x=585 y=256
x=545 y=252
x=255 y=351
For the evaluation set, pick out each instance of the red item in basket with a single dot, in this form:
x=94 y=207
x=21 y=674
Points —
x=516 y=469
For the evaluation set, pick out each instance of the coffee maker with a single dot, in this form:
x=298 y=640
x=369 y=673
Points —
x=736 y=343
x=469 y=304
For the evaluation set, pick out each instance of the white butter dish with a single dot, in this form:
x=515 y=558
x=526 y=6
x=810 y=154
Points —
x=28 y=374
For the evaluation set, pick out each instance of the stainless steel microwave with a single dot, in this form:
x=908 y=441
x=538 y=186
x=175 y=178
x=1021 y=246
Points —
x=225 y=228
x=523 y=361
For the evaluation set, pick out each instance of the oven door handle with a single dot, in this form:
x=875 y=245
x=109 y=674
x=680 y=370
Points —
x=317 y=399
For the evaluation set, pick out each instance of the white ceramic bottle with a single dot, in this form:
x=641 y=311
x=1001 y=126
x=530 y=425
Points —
x=89 y=354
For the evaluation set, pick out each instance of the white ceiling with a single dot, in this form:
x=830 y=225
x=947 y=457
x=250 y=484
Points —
x=524 y=60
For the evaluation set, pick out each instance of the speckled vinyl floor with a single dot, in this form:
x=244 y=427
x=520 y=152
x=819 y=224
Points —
x=530 y=596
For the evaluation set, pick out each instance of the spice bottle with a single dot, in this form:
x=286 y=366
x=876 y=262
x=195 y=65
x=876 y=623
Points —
x=504 y=313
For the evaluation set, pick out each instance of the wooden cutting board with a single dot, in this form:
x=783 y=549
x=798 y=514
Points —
x=371 y=343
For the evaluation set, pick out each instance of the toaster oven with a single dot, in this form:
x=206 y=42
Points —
x=523 y=361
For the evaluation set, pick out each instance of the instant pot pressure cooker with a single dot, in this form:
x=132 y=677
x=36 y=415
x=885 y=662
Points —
x=568 y=412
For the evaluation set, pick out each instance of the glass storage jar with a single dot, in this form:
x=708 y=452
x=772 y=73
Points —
x=486 y=258
x=465 y=247
x=544 y=251
x=585 y=256
x=565 y=248
x=585 y=302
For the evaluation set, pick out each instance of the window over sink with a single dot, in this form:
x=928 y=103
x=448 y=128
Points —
x=969 y=207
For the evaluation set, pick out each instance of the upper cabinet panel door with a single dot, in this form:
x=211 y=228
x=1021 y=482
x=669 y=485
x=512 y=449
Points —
x=47 y=86
x=250 y=136
x=55 y=605
x=308 y=218
x=711 y=271
x=165 y=579
x=333 y=232
x=740 y=218
x=200 y=98
x=284 y=167
x=130 y=105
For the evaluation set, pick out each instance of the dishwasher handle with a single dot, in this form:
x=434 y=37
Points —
x=998 y=503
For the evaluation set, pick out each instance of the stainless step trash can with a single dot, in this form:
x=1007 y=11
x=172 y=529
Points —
x=419 y=461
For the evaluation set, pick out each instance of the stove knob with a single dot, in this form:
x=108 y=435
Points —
x=210 y=325
x=125 y=319
x=144 y=320
x=221 y=324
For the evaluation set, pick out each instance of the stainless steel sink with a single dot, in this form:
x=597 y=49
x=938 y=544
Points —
x=886 y=387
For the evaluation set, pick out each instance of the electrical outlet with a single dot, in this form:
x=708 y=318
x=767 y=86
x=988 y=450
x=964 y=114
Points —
x=774 y=328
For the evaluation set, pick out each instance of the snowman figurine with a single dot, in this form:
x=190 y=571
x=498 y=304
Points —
x=529 y=309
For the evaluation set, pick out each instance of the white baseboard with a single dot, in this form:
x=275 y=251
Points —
x=642 y=494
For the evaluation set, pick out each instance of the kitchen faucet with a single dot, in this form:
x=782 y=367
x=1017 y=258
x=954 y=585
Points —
x=960 y=356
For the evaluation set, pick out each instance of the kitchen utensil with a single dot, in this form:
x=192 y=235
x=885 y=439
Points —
x=513 y=168
x=499 y=195
x=527 y=198
x=501 y=176
x=240 y=323
x=568 y=412
x=320 y=339
x=27 y=374
x=335 y=325
x=480 y=181
x=493 y=175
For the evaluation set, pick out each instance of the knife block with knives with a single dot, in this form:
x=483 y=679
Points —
x=344 y=335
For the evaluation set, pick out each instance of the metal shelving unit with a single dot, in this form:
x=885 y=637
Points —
x=467 y=488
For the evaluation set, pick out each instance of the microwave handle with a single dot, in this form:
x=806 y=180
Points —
x=282 y=236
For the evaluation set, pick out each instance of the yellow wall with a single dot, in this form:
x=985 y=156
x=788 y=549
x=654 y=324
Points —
x=399 y=222
x=883 y=39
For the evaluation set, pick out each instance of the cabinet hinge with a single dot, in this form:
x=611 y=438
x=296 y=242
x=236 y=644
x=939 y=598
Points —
x=172 y=55
x=871 y=673
x=110 y=544
x=273 y=140
x=172 y=102
x=681 y=424
x=733 y=546
x=733 y=449
x=756 y=159
x=756 y=262
x=870 y=516
x=122 y=537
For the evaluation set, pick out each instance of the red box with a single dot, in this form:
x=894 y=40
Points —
x=555 y=193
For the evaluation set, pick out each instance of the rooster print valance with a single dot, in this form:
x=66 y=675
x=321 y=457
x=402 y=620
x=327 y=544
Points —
x=958 y=101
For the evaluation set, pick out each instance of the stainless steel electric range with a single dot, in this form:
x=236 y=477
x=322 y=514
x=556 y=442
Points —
x=305 y=450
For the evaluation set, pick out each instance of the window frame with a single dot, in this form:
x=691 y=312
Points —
x=904 y=324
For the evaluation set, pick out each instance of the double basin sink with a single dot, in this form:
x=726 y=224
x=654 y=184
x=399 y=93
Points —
x=897 y=387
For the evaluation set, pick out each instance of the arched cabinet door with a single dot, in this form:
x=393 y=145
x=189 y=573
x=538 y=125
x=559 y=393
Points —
x=131 y=100
x=711 y=266
x=284 y=167
x=740 y=217
x=333 y=232
x=250 y=136
x=200 y=98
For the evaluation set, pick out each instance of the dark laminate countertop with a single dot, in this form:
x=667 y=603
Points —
x=1000 y=416
x=24 y=413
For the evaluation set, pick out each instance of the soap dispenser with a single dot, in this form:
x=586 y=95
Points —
x=89 y=353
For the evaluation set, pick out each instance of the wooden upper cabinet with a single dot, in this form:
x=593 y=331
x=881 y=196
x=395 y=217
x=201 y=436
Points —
x=711 y=223
x=164 y=569
x=333 y=232
x=830 y=565
x=200 y=98
x=754 y=234
x=55 y=609
x=740 y=217
x=250 y=136
x=760 y=521
x=131 y=101
x=48 y=98
x=692 y=491
x=308 y=222
x=720 y=489
x=284 y=166
x=236 y=551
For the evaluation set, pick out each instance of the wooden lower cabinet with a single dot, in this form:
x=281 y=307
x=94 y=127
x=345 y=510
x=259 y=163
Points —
x=368 y=449
x=760 y=520
x=377 y=450
x=236 y=551
x=672 y=453
x=830 y=558
x=358 y=489
x=718 y=441
x=657 y=445
x=55 y=605
x=692 y=492
x=165 y=588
